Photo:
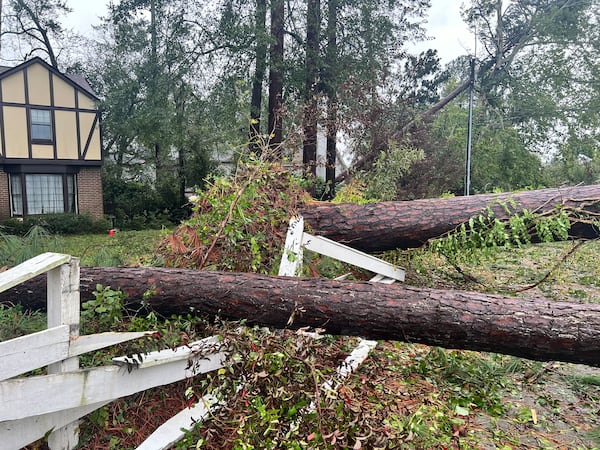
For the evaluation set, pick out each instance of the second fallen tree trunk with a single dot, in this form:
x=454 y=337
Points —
x=534 y=328
x=377 y=227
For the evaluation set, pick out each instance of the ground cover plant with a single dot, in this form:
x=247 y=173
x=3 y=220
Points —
x=403 y=396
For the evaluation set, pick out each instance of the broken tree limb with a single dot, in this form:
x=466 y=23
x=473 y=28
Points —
x=534 y=328
x=377 y=227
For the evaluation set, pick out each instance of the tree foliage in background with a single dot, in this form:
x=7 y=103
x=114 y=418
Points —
x=33 y=28
x=541 y=87
x=188 y=84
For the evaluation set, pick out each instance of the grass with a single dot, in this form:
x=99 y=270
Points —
x=124 y=248
x=404 y=395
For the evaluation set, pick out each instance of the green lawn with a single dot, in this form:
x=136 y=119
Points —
x=124 y=248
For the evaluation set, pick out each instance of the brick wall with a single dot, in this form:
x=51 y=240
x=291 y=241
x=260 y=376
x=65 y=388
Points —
x=89 y=195
x=4 y=197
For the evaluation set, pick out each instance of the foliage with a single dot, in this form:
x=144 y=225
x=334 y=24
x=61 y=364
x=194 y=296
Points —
x=33 y=28
x=156 y=124
x=136 y=206
x=15 y=249
x=484 y=234
x=353 y=192
x=238 y=224
x=63 y=224
x=15 y=321
x=104 y=312
x=388 y=171
x=403 y=396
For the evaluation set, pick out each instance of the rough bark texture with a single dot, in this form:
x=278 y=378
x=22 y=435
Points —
x=533 y=328
x=275 y=130
x=260 y=56
x=383 y=226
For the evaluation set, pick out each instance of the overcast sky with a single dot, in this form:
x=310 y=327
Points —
x=449 y=34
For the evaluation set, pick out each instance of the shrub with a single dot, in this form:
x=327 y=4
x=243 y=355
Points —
x=238 y=223
x=56 y=224
x=137 y=206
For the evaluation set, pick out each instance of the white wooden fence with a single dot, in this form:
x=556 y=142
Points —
x=33 y=406
x=297 y=240
x=30 y=407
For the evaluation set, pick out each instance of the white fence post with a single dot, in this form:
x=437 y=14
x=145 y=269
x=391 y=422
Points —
x=31 y=406
x=63 y=309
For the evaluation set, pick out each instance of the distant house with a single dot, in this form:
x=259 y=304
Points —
x=50 y=142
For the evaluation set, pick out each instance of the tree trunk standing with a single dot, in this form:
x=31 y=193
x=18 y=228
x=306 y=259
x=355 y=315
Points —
x=534 y=328
x=331 y=86
x=260 y=56
x=309 y=153
x=276 y=79
x=377 y=227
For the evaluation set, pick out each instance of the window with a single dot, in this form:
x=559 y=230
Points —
x=16 y=195
x=41 y=125
x=42 y=194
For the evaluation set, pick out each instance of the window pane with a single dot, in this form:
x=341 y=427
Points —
x=41 y=125
x=16 y=193
x=44 y=194
x=41 y=132
x=40 y=116
x=71 y=193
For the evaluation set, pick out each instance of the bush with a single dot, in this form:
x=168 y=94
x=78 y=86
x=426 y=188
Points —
x=56 y=224
x=138 y=206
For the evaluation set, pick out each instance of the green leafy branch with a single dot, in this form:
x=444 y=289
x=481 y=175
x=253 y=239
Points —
x=483 y=235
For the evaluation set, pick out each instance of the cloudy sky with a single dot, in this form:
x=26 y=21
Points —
x=449 y=34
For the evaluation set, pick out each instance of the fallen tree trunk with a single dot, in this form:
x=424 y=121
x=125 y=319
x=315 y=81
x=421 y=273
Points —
x=376 y=227
x=534 y=328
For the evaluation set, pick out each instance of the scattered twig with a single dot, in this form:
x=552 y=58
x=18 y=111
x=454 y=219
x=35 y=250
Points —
x=553 y=269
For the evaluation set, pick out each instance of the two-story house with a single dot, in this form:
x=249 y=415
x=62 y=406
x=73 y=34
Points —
x=50 y=142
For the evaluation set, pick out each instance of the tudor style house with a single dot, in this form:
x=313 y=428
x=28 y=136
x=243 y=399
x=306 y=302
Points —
x=50 y=143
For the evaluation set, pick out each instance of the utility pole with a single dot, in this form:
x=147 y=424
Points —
x=470 y=129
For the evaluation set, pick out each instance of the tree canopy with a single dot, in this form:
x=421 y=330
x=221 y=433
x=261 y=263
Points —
x=333 y=87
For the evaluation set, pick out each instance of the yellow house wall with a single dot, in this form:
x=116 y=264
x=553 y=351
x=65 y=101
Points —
x=42 y=151
x=13 y=88
x=86 y=102
x=15 y=131
x=66 y=135
x=86 y=120
x=95 y=149
x=15 y=128
x=64 y=94
x=38 y=81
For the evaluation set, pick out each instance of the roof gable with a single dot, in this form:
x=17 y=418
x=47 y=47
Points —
x=77 y=81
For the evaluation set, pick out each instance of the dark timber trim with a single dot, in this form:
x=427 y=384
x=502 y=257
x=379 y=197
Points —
x=49 y=162
x=57 y=108
x=27 y=113
x=52 y=115
x=89 y=138
x=77 y=122
x=2 y=127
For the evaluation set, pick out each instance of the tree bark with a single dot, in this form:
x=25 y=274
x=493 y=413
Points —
x=331 y=88
x=276 y=79
x=260 y=55
x=534 y=328
x=311 y=67
x=377 y=227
